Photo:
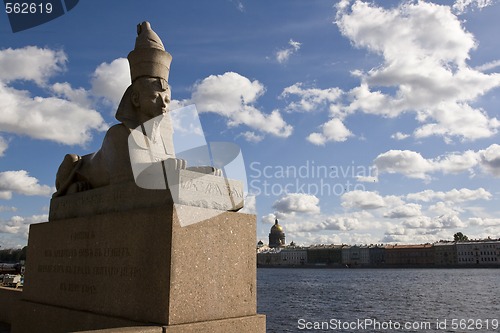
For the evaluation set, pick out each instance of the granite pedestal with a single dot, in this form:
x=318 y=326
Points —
x=137 y=265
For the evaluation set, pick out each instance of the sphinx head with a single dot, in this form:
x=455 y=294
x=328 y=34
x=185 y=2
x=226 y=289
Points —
x=149 y=94
x=150 y=97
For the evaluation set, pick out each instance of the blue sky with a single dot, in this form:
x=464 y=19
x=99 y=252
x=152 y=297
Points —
x=360 y=122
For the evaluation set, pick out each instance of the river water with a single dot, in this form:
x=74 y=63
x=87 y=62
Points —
x=379 y=300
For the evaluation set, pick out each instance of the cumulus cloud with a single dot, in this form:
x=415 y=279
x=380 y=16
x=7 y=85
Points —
x=19 y=225
x=425 y=50
x=406 y=162
x=454 y=195
x=447 y=221
x=251 y=136
x=484 y=222
x=297 y=203
x=362 y=200
x=490 y=159
x=233 y=96
x=283 y=55
x=333 y=130
x=311 y=99
x=335 y=223
x=461 y=6
x=21 y=182
x=444 y=208
x=3 y=146
x=270 y=218
x=111 y=80
x=314 y=238
x=31 y=64
x=79 y=96
x=250 y=205
x=404 y=211
x=413 y=165
x=400 y=136
x=48 y=118
x=63 y=117
x=456 y=162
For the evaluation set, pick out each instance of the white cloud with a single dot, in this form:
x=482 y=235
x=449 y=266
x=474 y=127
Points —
x=22 y=183
x=297 y=203
x=250 y=205
x=490 y=159
x=456 y=162
x=19 y=225
x=340 y=223
x=268 y=219
x=367 y=179
x=362 y=200
x=67 y=120
x=48 y=118
x=79 y=96
x=450 y=221
x=30 y=64
x=488 y=66
x=461 y=6
x=447 y=221
x=418 y=222
x=111 y=80
x=414 y=165
x=404 y=211
x=425 y=51
x=406 y=162
x=484 y=222
x=314 y=238
x=454 y=195
x=311 y=99
x=400 y=136
x=283 y=55
x=444 y=208
x=250 y=136
x=233 y=96
x=3 y=146
x=333 y=130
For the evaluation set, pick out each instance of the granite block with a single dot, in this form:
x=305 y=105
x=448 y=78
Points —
x=35 y=317
x=143 y=265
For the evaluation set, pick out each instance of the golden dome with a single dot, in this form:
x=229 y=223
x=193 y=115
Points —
x=276 y=228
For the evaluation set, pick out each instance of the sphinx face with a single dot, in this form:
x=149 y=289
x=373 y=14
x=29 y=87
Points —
x=151 y=97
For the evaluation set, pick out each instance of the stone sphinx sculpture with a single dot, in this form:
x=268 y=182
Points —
x=146 y=98
x=116 y=253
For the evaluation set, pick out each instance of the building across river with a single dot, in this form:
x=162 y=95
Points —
x=476 y=253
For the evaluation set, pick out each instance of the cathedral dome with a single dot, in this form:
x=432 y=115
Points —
x=277 y=235
x=276 y=228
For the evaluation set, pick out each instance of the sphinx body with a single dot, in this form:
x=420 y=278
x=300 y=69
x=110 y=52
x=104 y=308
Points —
x=146 y=99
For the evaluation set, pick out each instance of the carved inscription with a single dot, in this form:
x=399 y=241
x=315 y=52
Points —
x=211 y=188
x=85 y=261
x=87 y=200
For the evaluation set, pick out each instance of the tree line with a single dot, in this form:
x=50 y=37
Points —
x=13 y=255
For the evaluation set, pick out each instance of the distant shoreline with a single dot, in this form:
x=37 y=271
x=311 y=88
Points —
x=338 y=266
